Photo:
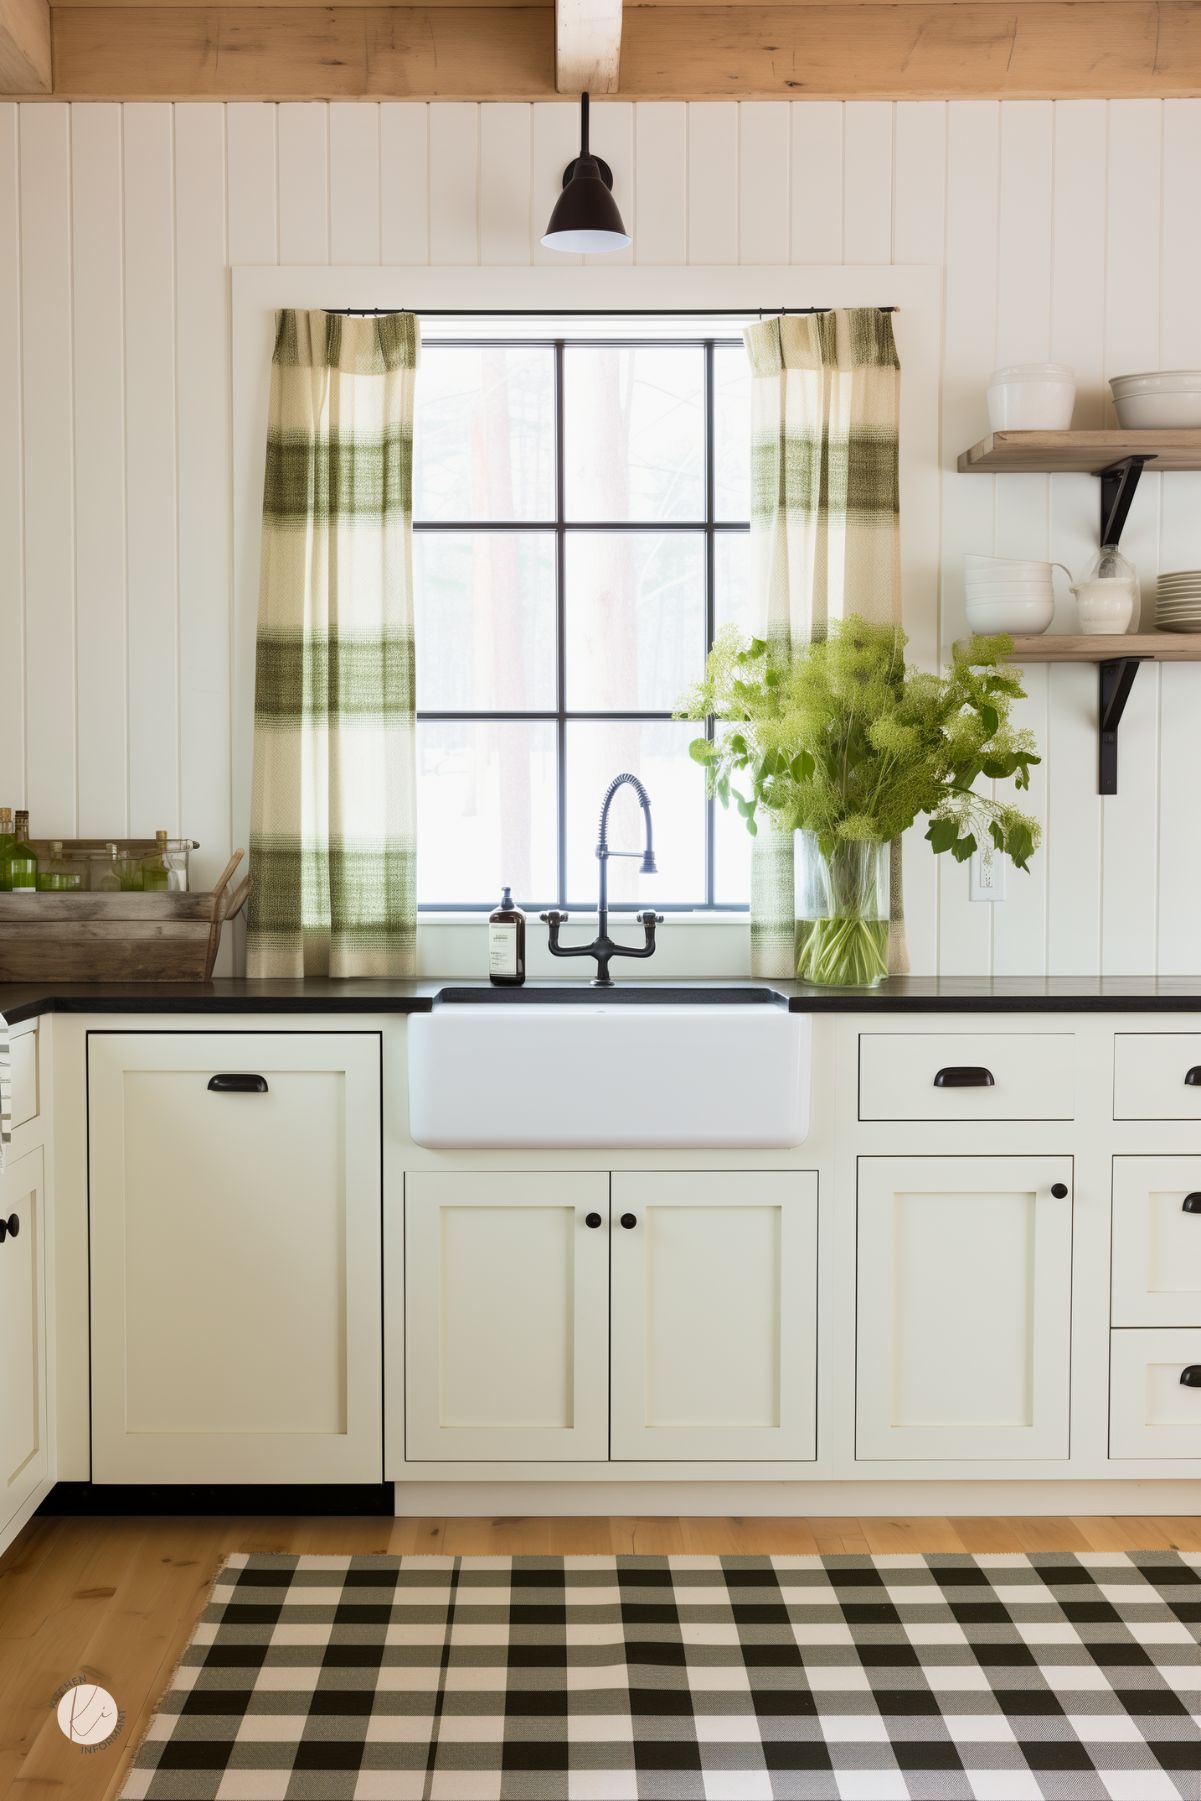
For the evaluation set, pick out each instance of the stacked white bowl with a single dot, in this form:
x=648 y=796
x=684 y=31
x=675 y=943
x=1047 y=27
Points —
x=1166 y=399
x=1008 y=594
x=1178 y=601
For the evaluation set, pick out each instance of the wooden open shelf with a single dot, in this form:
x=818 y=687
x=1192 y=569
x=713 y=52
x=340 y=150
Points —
x=1079 y=452
x=1069 y=647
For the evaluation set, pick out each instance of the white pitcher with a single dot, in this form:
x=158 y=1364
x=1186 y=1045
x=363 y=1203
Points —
x=1106 y=594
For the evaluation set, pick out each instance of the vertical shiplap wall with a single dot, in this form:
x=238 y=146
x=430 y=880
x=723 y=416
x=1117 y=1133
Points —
x=1065 y=230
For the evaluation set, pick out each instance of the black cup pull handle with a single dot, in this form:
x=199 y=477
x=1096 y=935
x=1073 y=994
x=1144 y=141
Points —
x=964 y=1075
x=593 y=1220
x=629 y=1221
x=237 y=1084
x=1192 y=1203
x=1190 y=1377
x=1192 y=1077
x=9 y=1227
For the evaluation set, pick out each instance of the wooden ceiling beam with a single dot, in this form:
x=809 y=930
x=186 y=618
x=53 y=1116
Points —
x=1044 y=49
x=587 y=46
x=24 y=47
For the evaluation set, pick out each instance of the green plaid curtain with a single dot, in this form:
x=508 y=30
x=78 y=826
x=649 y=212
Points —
x=332 y=842
x=825 y=537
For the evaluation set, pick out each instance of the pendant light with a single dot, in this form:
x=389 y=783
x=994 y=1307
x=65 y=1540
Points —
x=585 y=218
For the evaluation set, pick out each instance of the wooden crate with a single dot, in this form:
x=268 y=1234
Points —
x=117 y=937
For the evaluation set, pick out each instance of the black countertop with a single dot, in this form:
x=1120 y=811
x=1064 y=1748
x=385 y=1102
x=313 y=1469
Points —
x=900 y=994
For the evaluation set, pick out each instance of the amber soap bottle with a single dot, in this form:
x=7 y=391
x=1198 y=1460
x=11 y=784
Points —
x=506 y=944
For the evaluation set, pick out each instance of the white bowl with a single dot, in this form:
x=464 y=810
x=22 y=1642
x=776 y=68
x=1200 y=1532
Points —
x=1179 y=411
x=1031 y=397
x=1028 y=615
x=1157 y=381
x=1013 y=592
x=974 y=560
x=1165 y=398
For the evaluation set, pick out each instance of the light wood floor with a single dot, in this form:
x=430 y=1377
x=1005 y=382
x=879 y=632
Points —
x=114 y=1600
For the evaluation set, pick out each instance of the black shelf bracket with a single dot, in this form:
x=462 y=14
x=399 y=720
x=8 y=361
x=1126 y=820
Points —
x=1116 y=679
x=1118 y=485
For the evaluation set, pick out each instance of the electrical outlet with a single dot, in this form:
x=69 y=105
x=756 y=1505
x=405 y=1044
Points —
x=987 y=877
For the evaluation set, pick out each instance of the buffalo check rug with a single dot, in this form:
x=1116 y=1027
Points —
x=947 y=1678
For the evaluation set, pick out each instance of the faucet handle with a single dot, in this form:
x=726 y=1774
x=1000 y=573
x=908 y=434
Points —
x=553 y=917
x=650 y=918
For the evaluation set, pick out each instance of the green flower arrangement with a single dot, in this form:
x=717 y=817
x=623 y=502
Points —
x=843 y=742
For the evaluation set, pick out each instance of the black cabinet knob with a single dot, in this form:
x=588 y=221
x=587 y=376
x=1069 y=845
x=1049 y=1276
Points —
x=1192 y=1203
x=237 y=1084
x=964 y=1075
x=1191 y=1376
x=593 y=1219
x=9 y=1227
x=1193 y=1077
x=629 y=1221
x=1059 y=1190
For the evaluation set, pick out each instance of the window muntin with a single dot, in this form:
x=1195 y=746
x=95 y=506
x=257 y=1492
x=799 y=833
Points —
x=580 y=529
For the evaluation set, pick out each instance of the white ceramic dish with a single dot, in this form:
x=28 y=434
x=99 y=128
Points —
x=1031 y=397
x=974 y=564
x=1032 y=615
x=1016 y=604
x=1167 y=399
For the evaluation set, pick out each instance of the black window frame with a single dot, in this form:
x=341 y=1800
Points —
x=561 y=716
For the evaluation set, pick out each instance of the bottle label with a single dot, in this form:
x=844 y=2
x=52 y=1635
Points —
x=502 y=949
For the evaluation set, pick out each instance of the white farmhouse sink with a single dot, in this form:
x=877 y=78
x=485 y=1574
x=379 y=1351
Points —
x=641 y=1067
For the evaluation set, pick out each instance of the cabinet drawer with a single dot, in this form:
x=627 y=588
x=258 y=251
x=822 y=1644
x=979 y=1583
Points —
x=23 y=1063
x=967 y=1075
x=1157 y=1241
x=1151 y=1072
x=1152 y=1413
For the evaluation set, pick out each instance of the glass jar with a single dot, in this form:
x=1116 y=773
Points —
x=841 y=913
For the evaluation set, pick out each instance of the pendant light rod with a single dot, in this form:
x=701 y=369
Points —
x=583 y=124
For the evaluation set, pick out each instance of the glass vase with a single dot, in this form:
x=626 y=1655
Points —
x=841 y=914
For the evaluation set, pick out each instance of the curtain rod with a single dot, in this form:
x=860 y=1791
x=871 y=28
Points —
x=580 y=312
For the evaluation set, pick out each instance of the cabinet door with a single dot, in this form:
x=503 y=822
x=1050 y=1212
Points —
x=714 y=1315
x=236 y=1315
x=1157 y=1241
x=506 y=1312
x=23 y=1459
x=965 y=1275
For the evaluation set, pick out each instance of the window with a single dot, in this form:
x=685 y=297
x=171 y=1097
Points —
x=581 y=528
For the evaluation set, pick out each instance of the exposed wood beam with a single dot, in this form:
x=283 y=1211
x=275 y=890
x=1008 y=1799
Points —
x=587 y=46
x=24 y=47
x=1045 y=49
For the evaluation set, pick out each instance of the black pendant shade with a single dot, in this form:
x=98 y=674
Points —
x=585 y=218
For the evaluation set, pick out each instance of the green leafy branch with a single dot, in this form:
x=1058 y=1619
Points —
x=842 y=739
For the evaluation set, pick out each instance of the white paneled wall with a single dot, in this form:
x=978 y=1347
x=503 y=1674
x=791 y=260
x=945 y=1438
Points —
x=1066 y=230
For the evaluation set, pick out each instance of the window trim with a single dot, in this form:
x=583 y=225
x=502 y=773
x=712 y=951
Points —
x=709 y=527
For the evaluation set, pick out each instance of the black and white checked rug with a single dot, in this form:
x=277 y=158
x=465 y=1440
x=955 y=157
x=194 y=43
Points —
x=948 y=1678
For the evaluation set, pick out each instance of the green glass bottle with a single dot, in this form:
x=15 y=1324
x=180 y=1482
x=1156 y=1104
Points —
x=22 y=859
x=8 y=839
x=156 y=874
x=56 y=874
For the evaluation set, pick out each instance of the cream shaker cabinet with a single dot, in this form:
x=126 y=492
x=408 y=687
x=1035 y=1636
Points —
x=507 y=1295
x=235 y=1202
x=634 y=1317
x=964 y=1307
x=714 y=1321
x=23 y=1430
